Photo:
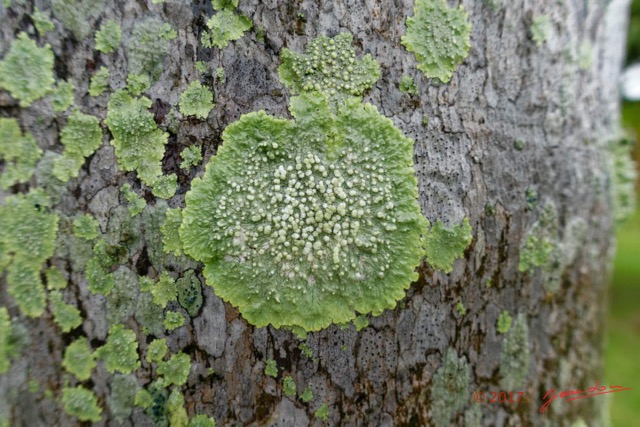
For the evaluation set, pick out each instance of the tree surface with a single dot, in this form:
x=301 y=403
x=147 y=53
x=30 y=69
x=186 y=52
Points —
x=517 y=142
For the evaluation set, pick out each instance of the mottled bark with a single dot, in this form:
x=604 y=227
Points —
x=508 y=89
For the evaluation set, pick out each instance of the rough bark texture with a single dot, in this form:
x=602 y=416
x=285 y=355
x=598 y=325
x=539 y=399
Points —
x=508 y=89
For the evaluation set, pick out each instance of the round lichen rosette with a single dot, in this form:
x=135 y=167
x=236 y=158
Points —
x=301 y=223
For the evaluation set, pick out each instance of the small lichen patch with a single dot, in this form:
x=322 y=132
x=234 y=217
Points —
x=202 y=421
x=540 y=28
x=147 y=47
x=86 y=227
x=360 y=322
x=170 y=236
x=122 y=395
x=623 y=172
x=307 y=395
x=225 y=4
x=223 y=27
x=289 y=386
x=81 y=403
x=55 y=279
x=66 y=316
x=196 y=100
x=99 y=82
x=201 y=66
x=534 y=253
x=408 y=85
x=108 y=37
x=78 y=15
x=7 y=347
x=176 y=369
x=19 y=152
x=42 y=22
x=444 y=245
x=62 y=96
x=439 y=36
x=136 y=203
x=450 y=388
x=138 y=83
x=164 y=290
x=504 y=322
x=175 y=409
x=220 y=74
x=100 y=280
x=190 y=292
x=515 y=355
x=191 y=156
x=322 y=413
x=27 y=70
x=79 y=360
x=157 y=350
x=173 y=320
x=270 y=368
x=460 y=308
x=120 y=353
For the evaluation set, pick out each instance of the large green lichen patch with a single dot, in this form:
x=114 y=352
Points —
x=439 y=36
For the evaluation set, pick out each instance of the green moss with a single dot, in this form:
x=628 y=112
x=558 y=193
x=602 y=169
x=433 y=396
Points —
x=329 y=65
x=460 y=308
x=225 y=4
x=108 y=37
x=138 y=142
x=223 y=27
x=307 y=395
x=175 y=409
x=42 y=22
x=504 y=322
x=19 y=152
x=408 y=85
x=175 y=370
x=540 y=29
x=515 y=355
x=81 y=403
x=55 y=279
x=86 y=227
x=289 y=386
x=147 y=47
x=270 y=368
x=138 y=83
x=623 y=179
x=449 y=389
x=78 y=15
x=190 y=292
x=202 y=421
x=27 y=70
x=170 y=236
x=156 y=351
x=439 y=36
x=136 y=203
x=120 y=352
x=121 y=398
x=62 y=96
x=173 y=320
x=534 y=252
x=444 y=245
x=322 y=413
x=191 y=156
x=360 y=322
x=27 y=238
x=79 y=360
x=99 y=82
x=100 y=280
x=196 y=100
x=7 y=347
x=66 y=316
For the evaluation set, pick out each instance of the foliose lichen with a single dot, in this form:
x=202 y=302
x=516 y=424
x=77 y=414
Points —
x=439 y=36
x=99 y=279
x=225 y=4
x=81 y=403
x=19 y=152
x=120 y=353
x=175 y=409
x=202 y=421
x=223 y=27
x=623 y=178
x=270 y=368
x=42 y=22
x=408 y=85
x=81 y=137
x=173 y=320
x=322 y=413
x=170 y=235
x=86 y=227
x=288 y=386
x=191 y=156
x=147 y=47
x=122 y=395
x=540 y=28
x=461 y=309
x=138 y=83
x=515 y=355
x=99 y=82
x=78 y=15
x=7 y=347
x=444 y=245
x=136 y=203
x=190 y=292
x=108 y=37
x=79 y=360
x=175 y=370
x=66 y=316
x=450 y=388
x=307 y=395
x=27 y=70
x=504 y=322
x=196 y=100
x=157 y=350
x=62 y=96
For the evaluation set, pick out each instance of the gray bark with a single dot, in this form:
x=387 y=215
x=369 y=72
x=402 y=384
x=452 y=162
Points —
x=508 y=89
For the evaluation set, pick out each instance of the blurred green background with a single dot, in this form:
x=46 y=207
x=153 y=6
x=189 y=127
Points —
x=623 y=347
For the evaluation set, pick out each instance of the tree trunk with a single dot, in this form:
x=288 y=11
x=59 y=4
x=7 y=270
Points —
x=518 y=135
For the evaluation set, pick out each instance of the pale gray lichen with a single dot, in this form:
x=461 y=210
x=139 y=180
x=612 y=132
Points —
x=450 y=388
x=78 y=15
x=147 y=47
x=540 y=29
x=515 y=355
x=108 y=37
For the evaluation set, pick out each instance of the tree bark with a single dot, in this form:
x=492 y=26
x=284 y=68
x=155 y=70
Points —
x=507 y=90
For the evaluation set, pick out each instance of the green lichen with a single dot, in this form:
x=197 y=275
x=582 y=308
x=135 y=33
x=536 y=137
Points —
x=138 y=142
x=307 y=395
x=122 y=300
x=81 y=403
x=223 y=27
x=191 y=156
x=439 y=36
x=149 y=315
x=196 y=100
x=147 y=47
x=27 y=70
x=99 y=82
x=225 y=4
x=202 y=421
x=303 y=223
x=175 y=409
x=7 y=347
x=42 y=22
x=444 y=245
x=504 y=322
x=534 y=252
x=120 y=353
x=81 y=137
x=519 y=144
x=531 y=197
x=108 y=37
x=138 y=83
x=78 y=15
x=155 y=402
x=270 y=368
x=322 y=413
x=100 y=280
x=79 y=360
x=66 y=316
x=220 y=74
x=170 y=236
x=460 y=308
x=86 y=227
x=540 y=28
x=515 y=355
x=143 y=399
x=408 y=85
x=19 y=152
x=62 y=96
x=136 y=203
x=175 y=370
x=360 y=322
x=623 y=179
x=157 y=350
x=164 y=290
x=289 y=386
x=27 y=239
x=190 y=292
x=122 y=396
x=173 y=320
x=55 y=279
x=306 y=350
x=201 y=66
x=329 y=65
x=450 y=388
